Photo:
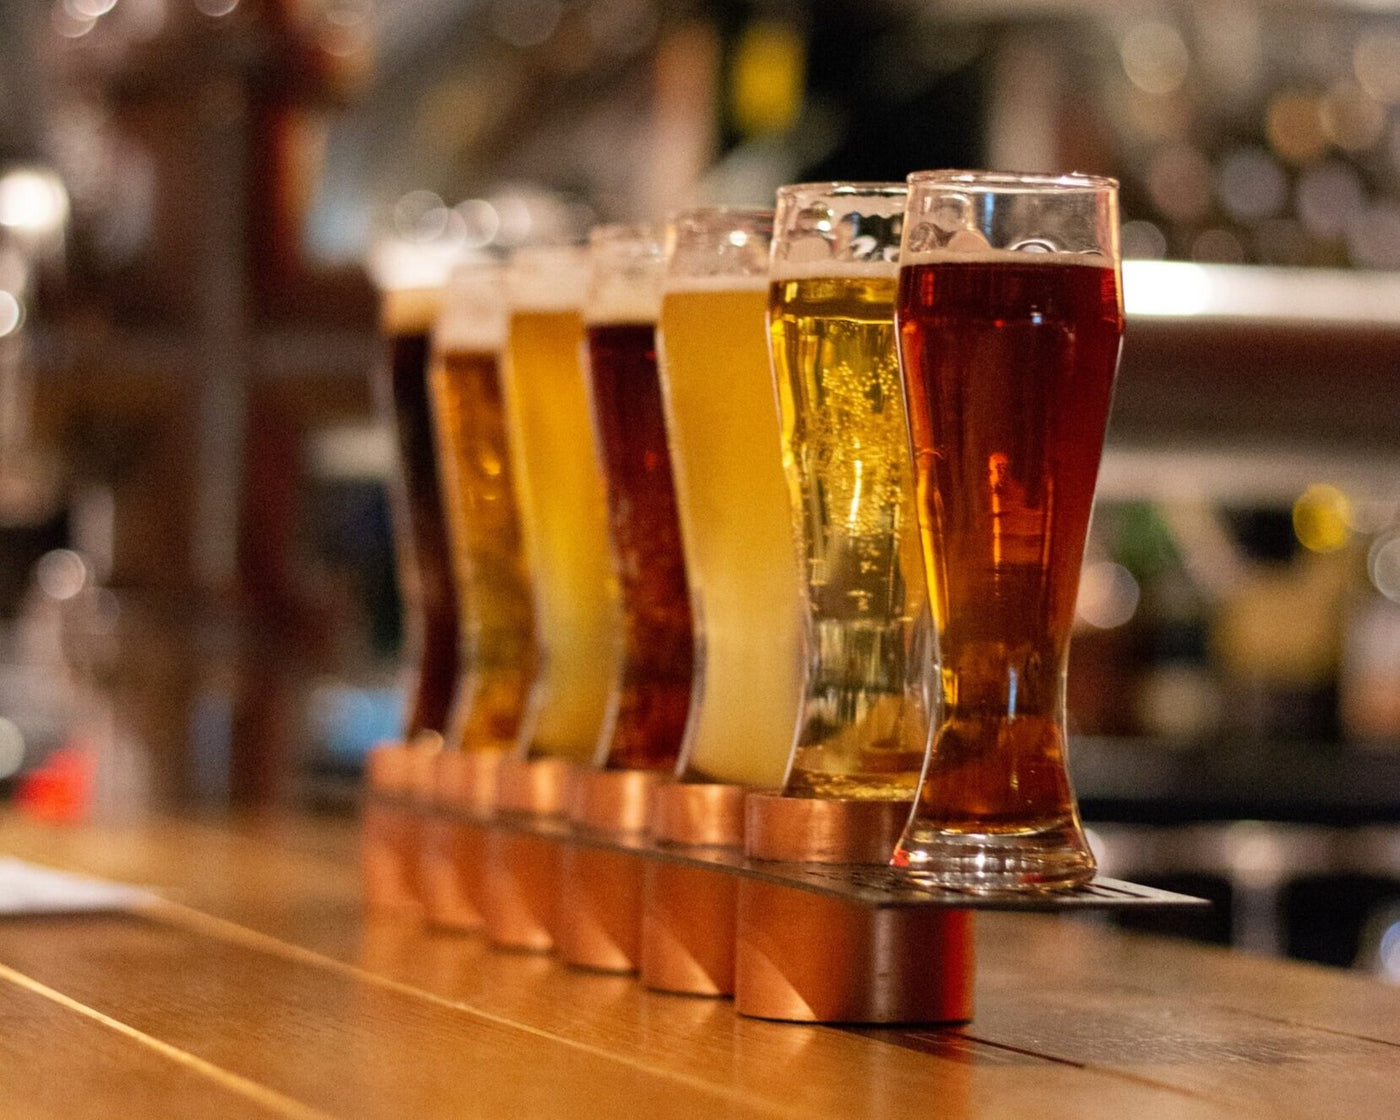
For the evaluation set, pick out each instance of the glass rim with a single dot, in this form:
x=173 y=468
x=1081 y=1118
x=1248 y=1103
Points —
x=732 y=213
x=609 y=233
x=887 y=187
x=1013 y=181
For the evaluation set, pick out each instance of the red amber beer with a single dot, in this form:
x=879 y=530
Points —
x=1009 y=317
x=652 y=694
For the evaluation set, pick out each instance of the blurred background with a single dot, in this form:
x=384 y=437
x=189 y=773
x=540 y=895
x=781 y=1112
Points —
x=197 y=598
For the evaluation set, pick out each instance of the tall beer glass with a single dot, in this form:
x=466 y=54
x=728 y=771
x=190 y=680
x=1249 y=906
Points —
x=423 y=555
x=652 y=693
x=563 y=510
x=495 y=616
x=739 y=558
x=846 y=450
x=1010 y=318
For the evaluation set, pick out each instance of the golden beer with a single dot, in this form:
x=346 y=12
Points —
x=563 y=509
x=496 y=619
x=864 y=726
x=734 y=520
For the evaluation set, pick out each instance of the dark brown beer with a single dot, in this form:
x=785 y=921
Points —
x=1009 y=372
x=654 y=697
x=425 y=565
x=493 y=584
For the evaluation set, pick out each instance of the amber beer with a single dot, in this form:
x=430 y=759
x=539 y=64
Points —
x=495 y=617
x=559 y=486
x=652 y=697
x=733 y=499
x=1009 y=358
x=423 y=554
x=831 y=317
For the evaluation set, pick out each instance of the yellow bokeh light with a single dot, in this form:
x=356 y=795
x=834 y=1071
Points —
x=768 y=76
x=1322 y=518
x=1294 y=128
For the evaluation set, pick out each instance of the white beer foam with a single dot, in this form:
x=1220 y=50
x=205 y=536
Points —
x=473 y=309
x=730 y=283
x=409 y=310
x=823 y=269
x=622 y=305
x=547 y=278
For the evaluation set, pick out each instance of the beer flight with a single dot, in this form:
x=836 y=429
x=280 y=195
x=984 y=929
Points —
x=790 y=504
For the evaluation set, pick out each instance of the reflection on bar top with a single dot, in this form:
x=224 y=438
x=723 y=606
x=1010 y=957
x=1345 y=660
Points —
x=1180 y=289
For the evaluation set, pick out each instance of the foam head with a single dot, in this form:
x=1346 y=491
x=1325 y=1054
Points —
x=628 y=266
x=473 y=313
x=547 y=278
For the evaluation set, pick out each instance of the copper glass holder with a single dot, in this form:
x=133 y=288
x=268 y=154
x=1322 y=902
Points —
x=599 y=920
x=522 y=866
x=793 y=924
x=689 y=909
x=457 y=842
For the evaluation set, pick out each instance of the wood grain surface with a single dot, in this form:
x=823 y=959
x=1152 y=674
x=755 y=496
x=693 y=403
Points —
x=256 y=987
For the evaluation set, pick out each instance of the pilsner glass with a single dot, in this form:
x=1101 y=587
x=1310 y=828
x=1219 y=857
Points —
x=420 y=533
x=846 y=450
x=1010 y=319
x=563 y=509
x=723 y=424
x=495 y=617
x=652 y=692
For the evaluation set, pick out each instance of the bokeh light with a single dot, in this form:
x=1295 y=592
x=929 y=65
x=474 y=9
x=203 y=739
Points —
x=61 y=574
x=1383 y=565
x=11 y=748
x=1351 y=118
x=1329 y=197
x=11 y=313
x=1108 y=595
x=1322 y=518
x=1376 y=63
x=1251 y=185
x=1155 y=57
x=1217 y=246
x=32 y=200
x=525 y=23
x=1178 y=179
x=1141 y=240
x=1293 y=125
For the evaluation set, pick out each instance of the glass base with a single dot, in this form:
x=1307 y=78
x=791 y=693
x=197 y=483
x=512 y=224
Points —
x=1053 y=857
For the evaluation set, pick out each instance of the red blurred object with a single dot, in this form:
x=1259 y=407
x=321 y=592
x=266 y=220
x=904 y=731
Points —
x=60 y=791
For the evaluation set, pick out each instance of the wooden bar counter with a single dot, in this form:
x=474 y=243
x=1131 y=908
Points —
x=255 y=987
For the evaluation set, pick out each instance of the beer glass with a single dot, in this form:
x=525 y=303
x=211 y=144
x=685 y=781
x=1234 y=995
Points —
x=423 y=560
x=1010 y=317
x=652 y=693
x=723 y=425
x=832 y=279
x=563 y=509
x=495 y=616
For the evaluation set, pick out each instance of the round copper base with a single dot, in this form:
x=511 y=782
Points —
x=688 y=913
x=698 y=814
x=446 y=901
x=688 y=922
x=466 y=780
x=612 y=801
x=389 y=866
x=599 y=923
x=806 y=957
x=822 y=830
x=521 y=883
x=600 y=892
x=538 y=785
x=388 y=855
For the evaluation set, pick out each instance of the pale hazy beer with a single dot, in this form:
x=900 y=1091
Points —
x=563 y=510
x=723 y=426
